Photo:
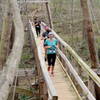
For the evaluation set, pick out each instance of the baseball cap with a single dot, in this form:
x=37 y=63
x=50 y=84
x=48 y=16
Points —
x=51 y=33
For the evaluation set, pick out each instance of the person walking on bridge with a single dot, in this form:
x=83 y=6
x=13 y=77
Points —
x=46 y=33
x=51 y=45
x=37 y=27
x=45 y=37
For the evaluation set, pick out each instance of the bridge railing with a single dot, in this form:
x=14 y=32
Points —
x=66 y=51
x=41 y=67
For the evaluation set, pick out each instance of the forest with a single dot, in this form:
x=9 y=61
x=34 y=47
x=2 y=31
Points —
x=24 y=73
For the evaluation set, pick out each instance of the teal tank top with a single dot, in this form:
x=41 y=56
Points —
x=53 y=45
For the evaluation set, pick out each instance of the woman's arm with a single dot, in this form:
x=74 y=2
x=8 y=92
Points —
x=57 y=44
x=46 y=47
x=36 y=24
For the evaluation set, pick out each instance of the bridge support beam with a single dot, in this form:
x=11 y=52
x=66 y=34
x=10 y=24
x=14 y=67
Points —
x=49 y=15
x=43 y=92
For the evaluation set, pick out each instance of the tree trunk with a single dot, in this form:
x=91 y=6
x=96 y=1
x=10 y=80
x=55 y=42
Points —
x=6 y=33
x=88 y=31
x=1 y=16
x=84 y=15
x=11 y=66
x=89 y=35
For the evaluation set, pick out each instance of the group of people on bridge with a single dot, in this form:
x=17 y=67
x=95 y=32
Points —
x=50 y=45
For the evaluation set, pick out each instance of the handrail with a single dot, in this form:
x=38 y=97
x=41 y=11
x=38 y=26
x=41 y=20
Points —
x=45 y=73
x=89 y=71
x=76 y=76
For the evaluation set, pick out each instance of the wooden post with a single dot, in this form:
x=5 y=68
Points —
x=49 y=15
x=43 y=90
x=97 y=89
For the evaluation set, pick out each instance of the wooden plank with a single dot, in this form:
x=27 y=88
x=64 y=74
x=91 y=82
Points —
x=64 y=69
x=7 y=76
x=76 y=76
x=62 y=84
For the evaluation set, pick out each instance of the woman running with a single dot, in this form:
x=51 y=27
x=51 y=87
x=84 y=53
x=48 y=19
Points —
x=51 y=45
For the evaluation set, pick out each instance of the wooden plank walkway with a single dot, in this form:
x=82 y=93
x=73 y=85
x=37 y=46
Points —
x=61 y=82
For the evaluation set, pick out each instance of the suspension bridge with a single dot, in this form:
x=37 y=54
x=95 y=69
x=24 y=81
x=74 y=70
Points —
x=67 y=83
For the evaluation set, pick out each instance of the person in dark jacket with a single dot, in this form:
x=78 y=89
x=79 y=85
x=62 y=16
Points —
x=44 y=37
x=46 y=33
x=37 y=27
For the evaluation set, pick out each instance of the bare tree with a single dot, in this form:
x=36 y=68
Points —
x=6 y=33
x=88 y=33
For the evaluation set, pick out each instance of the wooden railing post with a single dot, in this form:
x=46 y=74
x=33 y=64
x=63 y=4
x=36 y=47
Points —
x=44 y=90
x=49 y=15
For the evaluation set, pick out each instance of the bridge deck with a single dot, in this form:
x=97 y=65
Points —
x=61 y=82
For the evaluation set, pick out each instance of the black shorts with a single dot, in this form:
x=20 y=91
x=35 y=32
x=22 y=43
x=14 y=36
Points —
x=38 y=31
x=44 y=43
x=51 y=59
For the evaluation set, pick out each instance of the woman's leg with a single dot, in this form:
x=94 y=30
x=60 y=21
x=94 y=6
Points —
x=53 y=62
x=49 y=58
x=37 y=32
